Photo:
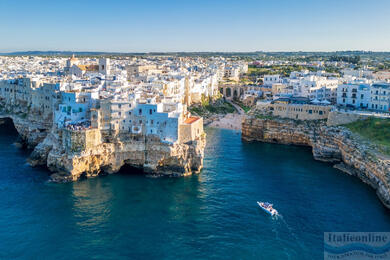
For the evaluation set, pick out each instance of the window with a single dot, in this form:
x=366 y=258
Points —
x=151 y=121
x=140 y=111
x=320 y=112
x=310 y=111
x=150 y=111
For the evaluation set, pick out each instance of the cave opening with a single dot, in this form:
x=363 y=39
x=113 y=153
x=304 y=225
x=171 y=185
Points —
x=131 y=170
x=7 y=127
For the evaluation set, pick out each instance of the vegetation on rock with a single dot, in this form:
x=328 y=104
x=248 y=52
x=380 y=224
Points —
x=376 y=130
x=212 y=107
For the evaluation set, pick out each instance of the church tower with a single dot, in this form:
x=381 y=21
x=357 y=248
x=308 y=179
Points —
x=104 y=66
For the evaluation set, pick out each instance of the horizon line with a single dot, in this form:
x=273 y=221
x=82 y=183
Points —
x=152 y=52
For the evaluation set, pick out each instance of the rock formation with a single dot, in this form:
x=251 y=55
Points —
x=350 y=153
x=147 y=153
x=108 y=154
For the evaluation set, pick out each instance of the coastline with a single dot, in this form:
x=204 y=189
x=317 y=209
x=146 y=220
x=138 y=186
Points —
x=157 y=157
x=334 y=144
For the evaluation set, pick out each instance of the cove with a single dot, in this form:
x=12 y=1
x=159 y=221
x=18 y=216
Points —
x=209 y=215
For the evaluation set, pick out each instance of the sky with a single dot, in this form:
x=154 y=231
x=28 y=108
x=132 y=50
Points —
x=194 y=25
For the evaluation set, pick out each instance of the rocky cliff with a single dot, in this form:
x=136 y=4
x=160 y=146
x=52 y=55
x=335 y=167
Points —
x=147 y=153
x=350 y=153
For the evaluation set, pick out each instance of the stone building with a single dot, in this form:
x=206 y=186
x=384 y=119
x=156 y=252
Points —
x=294 y=108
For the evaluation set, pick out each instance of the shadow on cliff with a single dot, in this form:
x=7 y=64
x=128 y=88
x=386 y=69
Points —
x=9 y=133
x=7 y=127
x=130 y=170
x=8 y=130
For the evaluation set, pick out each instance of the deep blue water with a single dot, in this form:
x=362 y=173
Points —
x=210 y=215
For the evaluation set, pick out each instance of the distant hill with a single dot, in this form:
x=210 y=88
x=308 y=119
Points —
x=205 y=54
x=63 y=53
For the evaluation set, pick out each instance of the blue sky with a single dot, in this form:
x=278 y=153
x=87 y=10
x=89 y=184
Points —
x=197 y=25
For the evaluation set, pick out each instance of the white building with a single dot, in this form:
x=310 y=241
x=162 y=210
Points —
x=380 y=96
x=354 y=95
x=269 y=80
x=74 y=107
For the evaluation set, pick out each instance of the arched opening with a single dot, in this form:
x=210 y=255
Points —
x=7 y=126
x=8 y=132
x=228 y=92
x=127 y=169
x=235 y=94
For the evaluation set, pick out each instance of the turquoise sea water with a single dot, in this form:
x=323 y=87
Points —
x=210 y=215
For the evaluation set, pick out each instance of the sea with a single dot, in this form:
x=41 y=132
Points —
x=211 y=215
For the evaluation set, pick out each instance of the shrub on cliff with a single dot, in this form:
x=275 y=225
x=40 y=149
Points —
x=376 y=130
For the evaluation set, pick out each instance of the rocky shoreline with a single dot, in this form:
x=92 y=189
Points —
x=335 y=144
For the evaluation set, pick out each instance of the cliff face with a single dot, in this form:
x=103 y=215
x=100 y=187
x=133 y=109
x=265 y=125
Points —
x=351 y=154
x=147 y=153
x=31 y=132
x=32 y=126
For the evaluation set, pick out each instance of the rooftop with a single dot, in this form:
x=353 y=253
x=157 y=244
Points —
x=191 y=120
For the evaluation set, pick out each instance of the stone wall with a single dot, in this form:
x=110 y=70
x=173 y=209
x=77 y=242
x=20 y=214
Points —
x=294 y=111
x=192 y=131
x=339 y=118
x=77 y=141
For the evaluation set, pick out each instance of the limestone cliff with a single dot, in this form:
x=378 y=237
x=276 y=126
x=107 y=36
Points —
x=31 y=132
x=336 y=144
x=32 y=126
x=107 y=155
x=149 y=154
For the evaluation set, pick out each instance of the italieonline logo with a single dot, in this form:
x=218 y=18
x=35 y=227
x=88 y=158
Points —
x=357 y=245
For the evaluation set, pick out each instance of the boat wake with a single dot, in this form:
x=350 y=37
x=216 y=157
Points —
x=290 y=230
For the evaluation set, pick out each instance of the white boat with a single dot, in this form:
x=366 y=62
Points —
x=267 y=207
